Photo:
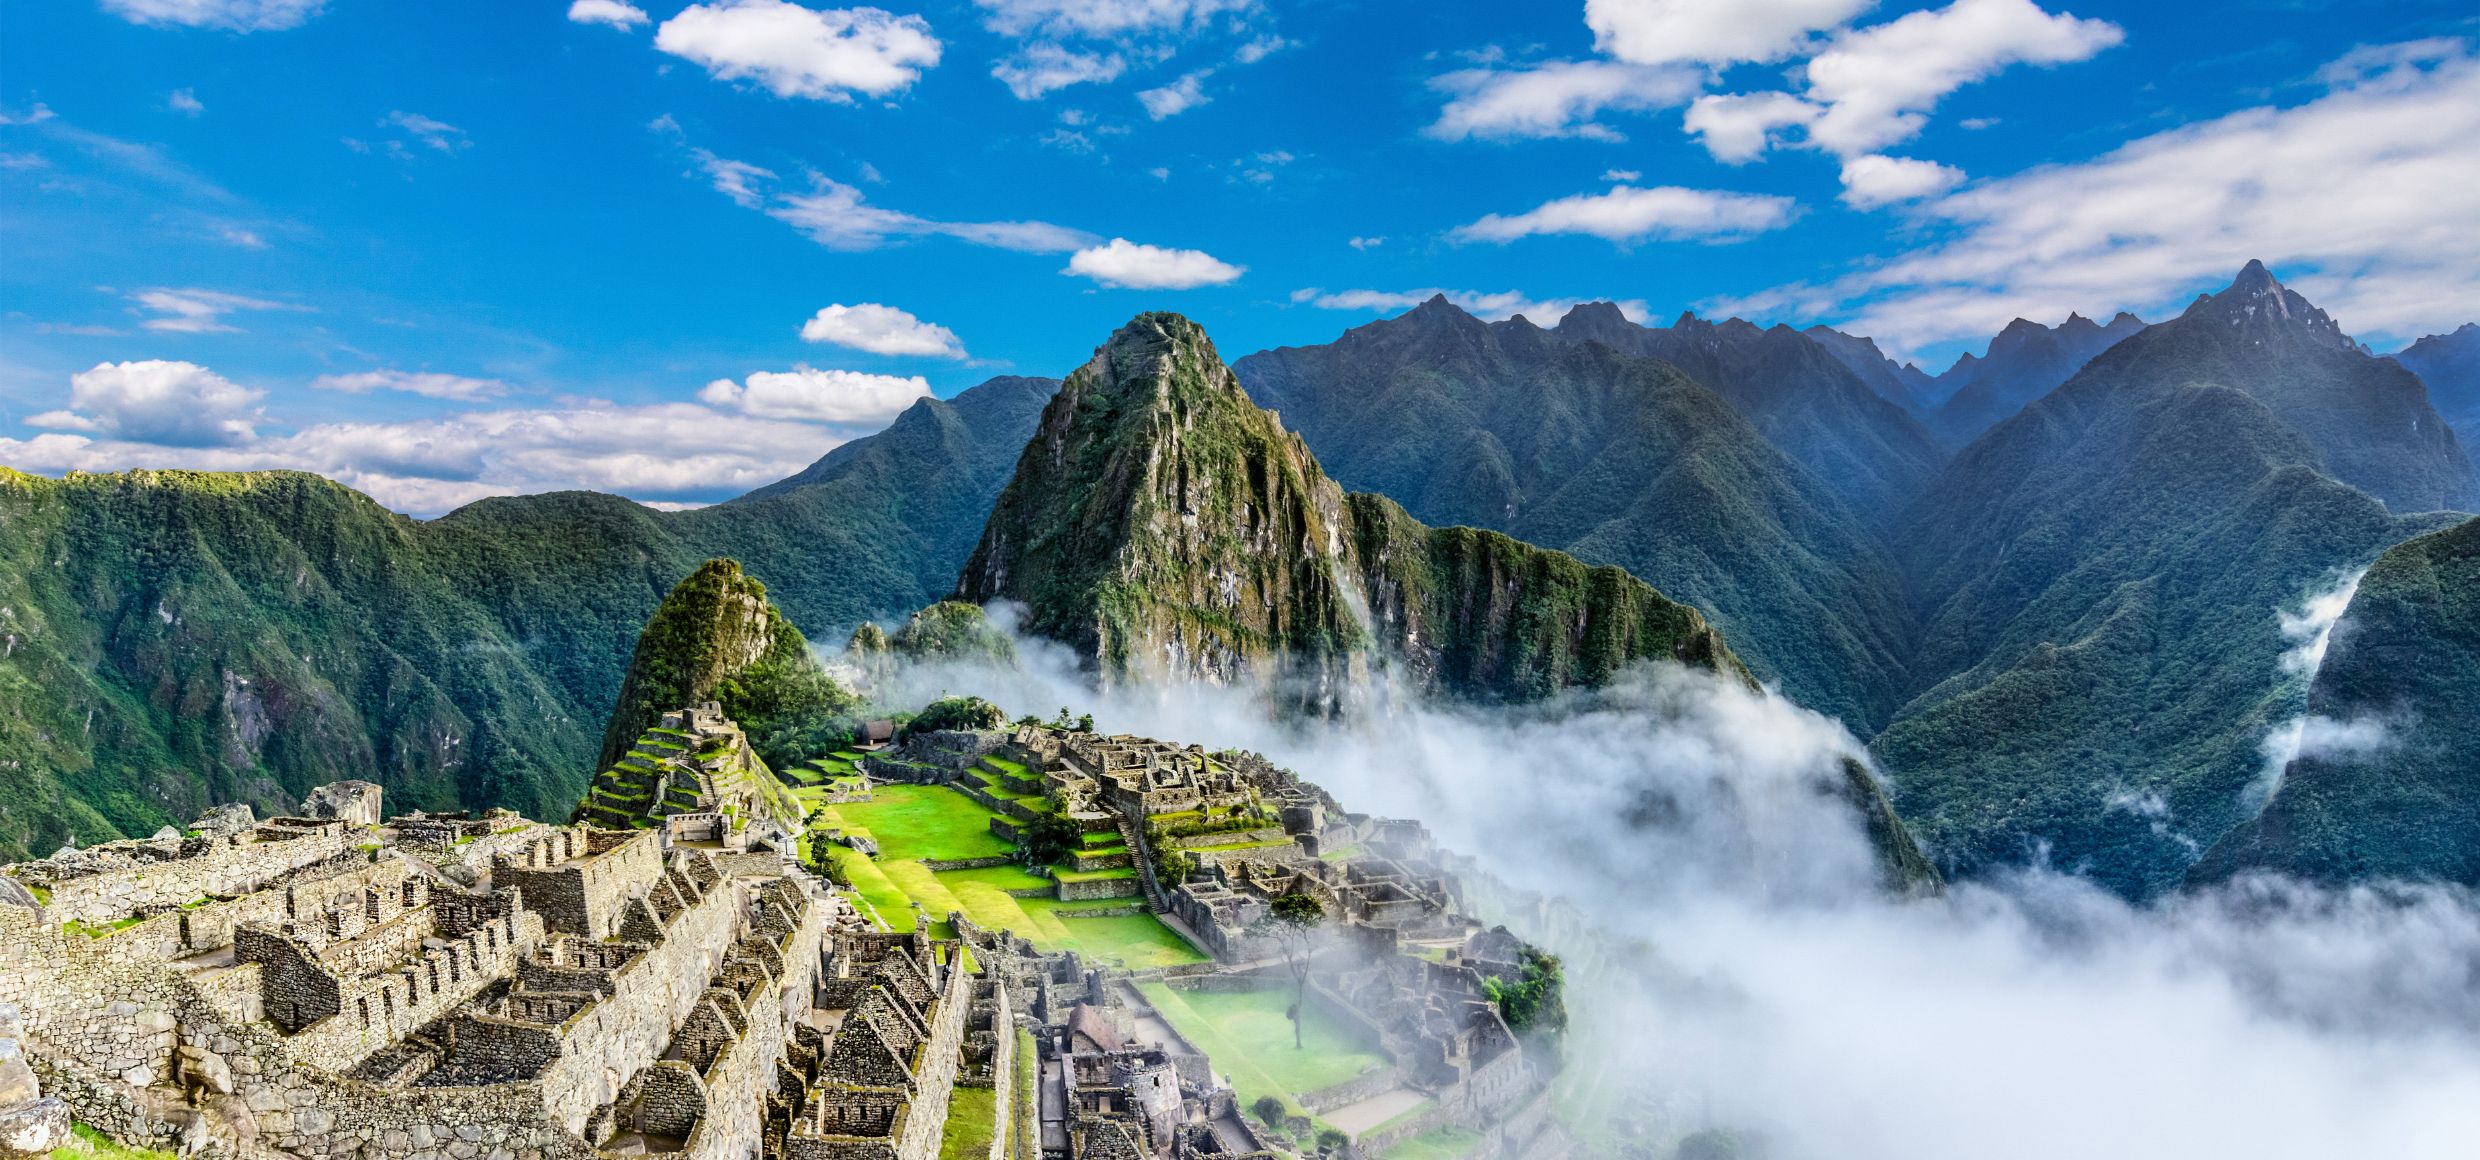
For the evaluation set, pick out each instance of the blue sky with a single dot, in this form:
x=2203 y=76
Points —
x=447 y=249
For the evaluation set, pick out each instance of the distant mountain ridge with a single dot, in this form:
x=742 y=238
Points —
x=2100 y=574
x=2450 y=366
x=177 y=639
x=2024 y=362
x=1620 y=459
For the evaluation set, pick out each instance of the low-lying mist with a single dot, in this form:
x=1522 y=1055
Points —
x=1733 y=964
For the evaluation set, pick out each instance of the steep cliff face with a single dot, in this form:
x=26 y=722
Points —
x=2388 y=783
x=1161 y=524
x=718 y=638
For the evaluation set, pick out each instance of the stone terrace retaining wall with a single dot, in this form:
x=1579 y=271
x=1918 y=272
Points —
x=222 y=867
x=605 y=1043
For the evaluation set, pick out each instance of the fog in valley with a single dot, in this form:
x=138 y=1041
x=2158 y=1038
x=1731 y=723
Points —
x=1734 y=964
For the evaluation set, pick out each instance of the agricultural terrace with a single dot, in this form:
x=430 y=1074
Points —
x=913 y=822
x=1249 y=1037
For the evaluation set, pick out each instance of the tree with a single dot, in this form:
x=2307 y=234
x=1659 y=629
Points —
x=1270 y=1109
x=1048 y=838
x=1293 y=921
x=1537 y=1001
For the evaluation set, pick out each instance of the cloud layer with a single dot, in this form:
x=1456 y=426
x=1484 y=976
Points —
x=1631 y=214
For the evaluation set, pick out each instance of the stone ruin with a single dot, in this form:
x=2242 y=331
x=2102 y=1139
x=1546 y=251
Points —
x=344 y=986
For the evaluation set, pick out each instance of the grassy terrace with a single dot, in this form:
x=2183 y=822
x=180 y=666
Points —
x=912 y=822
x=968 y=1130
x=1250 y=1041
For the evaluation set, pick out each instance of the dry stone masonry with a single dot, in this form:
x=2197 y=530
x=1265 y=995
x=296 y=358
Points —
x=670 y=981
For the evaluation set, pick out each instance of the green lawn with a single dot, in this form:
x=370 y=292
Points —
x=1435 y=1144
x=921 y=821
x=1250 y=1040
x=971 y=1113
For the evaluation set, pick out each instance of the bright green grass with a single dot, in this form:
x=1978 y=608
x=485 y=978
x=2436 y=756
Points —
x=1095 y=875
x=996 y=877
x=1092 y=838
x=90 y=1144
x=1250 y=1040
x=923 y=821
x=1003 y=765
x=1436 y=1144
x=1230 y=846
x=971 y=1113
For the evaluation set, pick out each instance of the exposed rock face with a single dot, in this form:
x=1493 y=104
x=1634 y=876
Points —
x=2402 y=674
x=356 y=802
x=1161 y=524
x=31 y=1124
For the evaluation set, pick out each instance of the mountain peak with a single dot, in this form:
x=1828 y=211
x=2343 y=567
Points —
x=2259 y=306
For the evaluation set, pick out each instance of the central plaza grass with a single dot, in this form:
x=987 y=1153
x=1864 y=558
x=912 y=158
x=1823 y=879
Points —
x=921 y=821
x=967 y=1134
x=1435 y=1144
x=912 y=822
x=1249 y=1039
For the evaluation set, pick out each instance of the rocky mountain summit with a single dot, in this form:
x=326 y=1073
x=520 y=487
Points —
x=1163 y=525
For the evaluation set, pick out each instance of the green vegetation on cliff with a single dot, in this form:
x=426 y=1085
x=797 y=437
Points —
x=1162 y=523
x=2404 y=658
x=2102 y=572
x=1557 y=438
x=718 y=638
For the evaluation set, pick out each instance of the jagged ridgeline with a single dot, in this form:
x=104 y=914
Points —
x=1162 y=525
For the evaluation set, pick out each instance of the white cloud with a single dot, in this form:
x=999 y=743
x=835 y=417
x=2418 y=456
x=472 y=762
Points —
x=1878 y=180
x=612 y=12
x=738 y=180
x=429 y=385
x=1126 y=264
x=185 y=102
x=835 y=216
x=2363 y=197
x=1106 y=18
x=662 y=452
x=1493 y=307
x=1630 y=214
x=1366 y=244
x=1711 y=31
x=881 y=330
x=1259 y=49
x=197 y=311
x=175 y=404
x=822 y=54
x=1739 y=127
x=1622 y=176
x=234 y=15
x=430 y=131
x=811 y=395
x=1879 y=83
x=1176 y=98
x=1558 y=99
x=1046 y=68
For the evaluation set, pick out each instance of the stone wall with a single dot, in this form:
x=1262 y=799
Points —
x=737 y=1083
x=221 y=866
x=579 y=880
x=605 y=1043
x=1095 y=888
x=101 y=1027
